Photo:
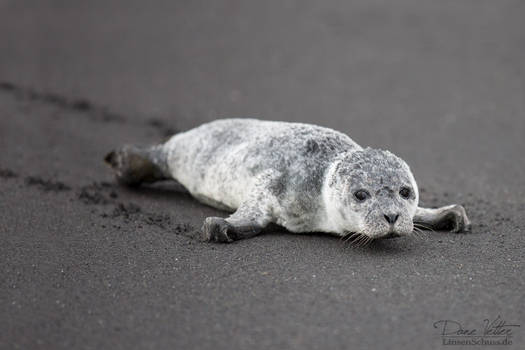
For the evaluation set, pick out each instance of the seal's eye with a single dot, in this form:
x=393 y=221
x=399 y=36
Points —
x=405 y=192
x=361 y=195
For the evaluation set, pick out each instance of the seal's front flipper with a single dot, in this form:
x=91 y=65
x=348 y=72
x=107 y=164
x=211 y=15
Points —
x=220 y=230
x=450 y=218
x=133 y=165
x=246 y=222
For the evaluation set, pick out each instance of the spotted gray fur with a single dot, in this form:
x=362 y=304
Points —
x=303 y=177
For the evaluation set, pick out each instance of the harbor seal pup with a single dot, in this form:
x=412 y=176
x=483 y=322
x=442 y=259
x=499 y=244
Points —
x=303 y=177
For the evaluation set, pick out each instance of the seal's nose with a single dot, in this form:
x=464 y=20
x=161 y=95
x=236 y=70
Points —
x=391 y=218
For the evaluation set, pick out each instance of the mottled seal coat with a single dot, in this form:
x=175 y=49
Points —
x=303 y=177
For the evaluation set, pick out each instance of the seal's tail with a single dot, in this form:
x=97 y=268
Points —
x=134 y=165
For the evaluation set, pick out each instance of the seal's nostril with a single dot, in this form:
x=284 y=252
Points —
x=391 y=218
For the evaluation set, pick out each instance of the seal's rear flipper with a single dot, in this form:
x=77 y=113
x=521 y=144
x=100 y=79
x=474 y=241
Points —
x=133 y=165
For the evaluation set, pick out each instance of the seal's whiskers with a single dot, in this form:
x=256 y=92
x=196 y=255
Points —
x=418 y=233
x=423 y=226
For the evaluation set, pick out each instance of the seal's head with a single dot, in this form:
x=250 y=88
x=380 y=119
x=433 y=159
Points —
x=371 y=192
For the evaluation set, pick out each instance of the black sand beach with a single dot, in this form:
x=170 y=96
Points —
x=86 y=264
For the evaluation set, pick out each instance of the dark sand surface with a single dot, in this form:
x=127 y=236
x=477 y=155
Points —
x=86 y=264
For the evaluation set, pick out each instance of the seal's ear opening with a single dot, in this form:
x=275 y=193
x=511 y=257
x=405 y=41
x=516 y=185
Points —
x=110 y=160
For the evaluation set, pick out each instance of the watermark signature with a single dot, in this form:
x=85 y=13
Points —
x=489 y=332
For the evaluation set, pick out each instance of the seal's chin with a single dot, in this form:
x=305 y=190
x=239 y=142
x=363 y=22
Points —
x=389 y=235
x=386 y=235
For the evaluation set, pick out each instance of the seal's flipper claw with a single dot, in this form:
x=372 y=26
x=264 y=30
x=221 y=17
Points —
x=218 y=230
x=458 y=215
